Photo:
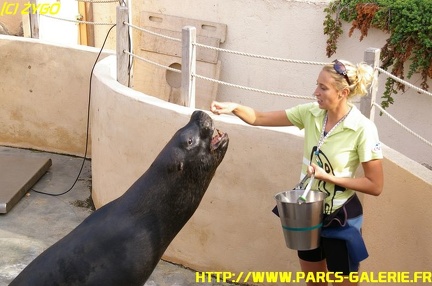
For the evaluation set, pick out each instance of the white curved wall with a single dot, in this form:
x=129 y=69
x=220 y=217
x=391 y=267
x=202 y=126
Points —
x=233 y=228
x=128 y=131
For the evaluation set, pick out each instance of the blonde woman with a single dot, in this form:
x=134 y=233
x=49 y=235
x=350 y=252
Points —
x=338 y=139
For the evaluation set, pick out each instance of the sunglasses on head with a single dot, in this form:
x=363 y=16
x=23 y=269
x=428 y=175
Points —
x=341 y=70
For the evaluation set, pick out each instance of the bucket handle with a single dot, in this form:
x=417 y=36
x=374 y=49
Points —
x=300 y=186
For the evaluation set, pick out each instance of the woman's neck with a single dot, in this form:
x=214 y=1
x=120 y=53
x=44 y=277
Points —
x=335 y=115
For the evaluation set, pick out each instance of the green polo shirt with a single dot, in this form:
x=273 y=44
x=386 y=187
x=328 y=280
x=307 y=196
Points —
x=353 y=141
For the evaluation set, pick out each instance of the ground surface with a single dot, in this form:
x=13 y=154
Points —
x=39 y=220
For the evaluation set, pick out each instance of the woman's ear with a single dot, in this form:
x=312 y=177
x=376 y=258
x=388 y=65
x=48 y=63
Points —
x=344 y=93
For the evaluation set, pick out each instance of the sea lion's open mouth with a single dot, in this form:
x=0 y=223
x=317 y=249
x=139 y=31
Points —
x=218 y=139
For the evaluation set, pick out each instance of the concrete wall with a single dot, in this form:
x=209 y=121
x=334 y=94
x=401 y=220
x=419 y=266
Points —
x=44 y=93
x=397 y=223
x=11 y=22
x=233 y=228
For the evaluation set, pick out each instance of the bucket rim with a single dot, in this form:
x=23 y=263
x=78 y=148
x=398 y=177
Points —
x=300 y=190
x=316 y=191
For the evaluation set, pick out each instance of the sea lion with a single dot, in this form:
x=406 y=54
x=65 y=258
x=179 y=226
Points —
x=122 y=242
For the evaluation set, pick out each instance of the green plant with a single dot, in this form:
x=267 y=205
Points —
x=409 y=25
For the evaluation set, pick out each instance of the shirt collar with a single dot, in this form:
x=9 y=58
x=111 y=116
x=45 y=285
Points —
x=351 y=121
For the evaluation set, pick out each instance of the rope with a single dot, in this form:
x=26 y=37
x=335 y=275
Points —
x=403 y=82
x=220 y=82
x=254 y=89
x=400 y=124
x=234 y=52
x=150 y=32
x=260 y=56
x=152 y=62
x=98 y=1
x=227 y=51
x=78 y=21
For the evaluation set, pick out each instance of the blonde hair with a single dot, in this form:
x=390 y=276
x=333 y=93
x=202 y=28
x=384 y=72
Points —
x=360 y=77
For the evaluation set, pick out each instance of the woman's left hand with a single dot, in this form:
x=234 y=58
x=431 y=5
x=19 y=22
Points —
x=371 y=183
x=319 y=172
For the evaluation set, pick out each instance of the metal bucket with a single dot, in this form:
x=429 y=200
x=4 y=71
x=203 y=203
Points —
x=301 y=223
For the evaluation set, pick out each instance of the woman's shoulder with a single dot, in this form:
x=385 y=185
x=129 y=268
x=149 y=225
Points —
x=306 y=108
x=359 y=121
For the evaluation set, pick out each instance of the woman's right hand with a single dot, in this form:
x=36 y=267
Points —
x=250 y=115
x=222 y=107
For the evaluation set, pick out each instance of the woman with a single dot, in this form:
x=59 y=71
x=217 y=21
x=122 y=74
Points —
x=337 y=139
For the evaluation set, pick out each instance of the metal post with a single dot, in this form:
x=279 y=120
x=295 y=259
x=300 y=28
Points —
x=372 y=58
x=34 y=22
x=188 y=65
x=122 y=45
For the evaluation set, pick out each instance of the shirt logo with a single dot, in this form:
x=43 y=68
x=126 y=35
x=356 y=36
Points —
x=376 y=148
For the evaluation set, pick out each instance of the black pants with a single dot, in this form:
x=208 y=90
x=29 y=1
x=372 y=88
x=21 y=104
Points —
x=335 y=250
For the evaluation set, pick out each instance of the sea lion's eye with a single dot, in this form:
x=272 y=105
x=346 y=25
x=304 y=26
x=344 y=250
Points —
x=190 y=141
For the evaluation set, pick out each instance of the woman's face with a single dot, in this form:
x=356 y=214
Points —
x=326 y=94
